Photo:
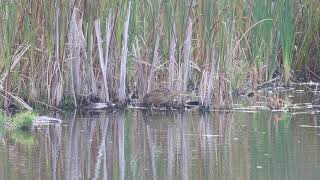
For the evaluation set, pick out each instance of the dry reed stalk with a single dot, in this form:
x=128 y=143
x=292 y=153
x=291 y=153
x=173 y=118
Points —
x=203 y=86
x=220 y=92
x=15 y=60
x=91 y=77
x=17 y=99
x=109 y=29
x=172 y=73
x=140 y=84
x=179 y=78
x=75 y=45
x=209 y=94
x=114 y=73
x=123 y=69
x=56 y=81
x=187 y=53
x=110 y=25
x=102 y=61
x=85 y=74
x=155 y=62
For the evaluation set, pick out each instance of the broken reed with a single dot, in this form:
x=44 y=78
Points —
x=111 y=50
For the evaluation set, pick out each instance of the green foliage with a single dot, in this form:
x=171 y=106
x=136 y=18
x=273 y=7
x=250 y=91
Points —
x=287 y=34
x=261 y=35
x=23 y=120
x=8 y=28
x=21 y=123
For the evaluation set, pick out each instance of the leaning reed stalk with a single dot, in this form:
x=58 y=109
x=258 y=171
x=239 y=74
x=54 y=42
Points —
x=102 y=61
x=122 y=87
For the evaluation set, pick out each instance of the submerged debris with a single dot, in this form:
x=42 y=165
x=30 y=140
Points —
x=45 y=120
x=309 y=126
x=99 y=106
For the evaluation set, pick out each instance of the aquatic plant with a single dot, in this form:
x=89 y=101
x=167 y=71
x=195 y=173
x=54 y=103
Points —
x=23 y=120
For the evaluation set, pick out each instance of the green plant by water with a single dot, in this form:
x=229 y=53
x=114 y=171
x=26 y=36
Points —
x=20 y=121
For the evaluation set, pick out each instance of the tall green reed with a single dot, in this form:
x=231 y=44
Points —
x=262 y=36
x=8 y=27
x=287 y=34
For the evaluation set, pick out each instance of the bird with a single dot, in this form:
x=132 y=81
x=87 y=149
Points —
x=159 y=97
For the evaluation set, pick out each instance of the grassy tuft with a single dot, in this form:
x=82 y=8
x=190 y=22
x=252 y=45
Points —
x=23 y=121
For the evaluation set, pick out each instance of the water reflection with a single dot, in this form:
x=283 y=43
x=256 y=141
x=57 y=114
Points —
x=162 y=145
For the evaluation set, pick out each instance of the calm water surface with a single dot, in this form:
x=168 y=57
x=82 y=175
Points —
x=160 y=145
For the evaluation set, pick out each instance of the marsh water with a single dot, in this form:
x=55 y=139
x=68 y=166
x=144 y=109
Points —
x=166 y=145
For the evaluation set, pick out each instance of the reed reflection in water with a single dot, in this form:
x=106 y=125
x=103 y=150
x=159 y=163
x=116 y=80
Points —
x=162 y=145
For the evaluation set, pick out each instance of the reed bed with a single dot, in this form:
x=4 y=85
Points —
x=113 y=50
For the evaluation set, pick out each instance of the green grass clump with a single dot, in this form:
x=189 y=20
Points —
x=287 y=35
x=23 y=120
